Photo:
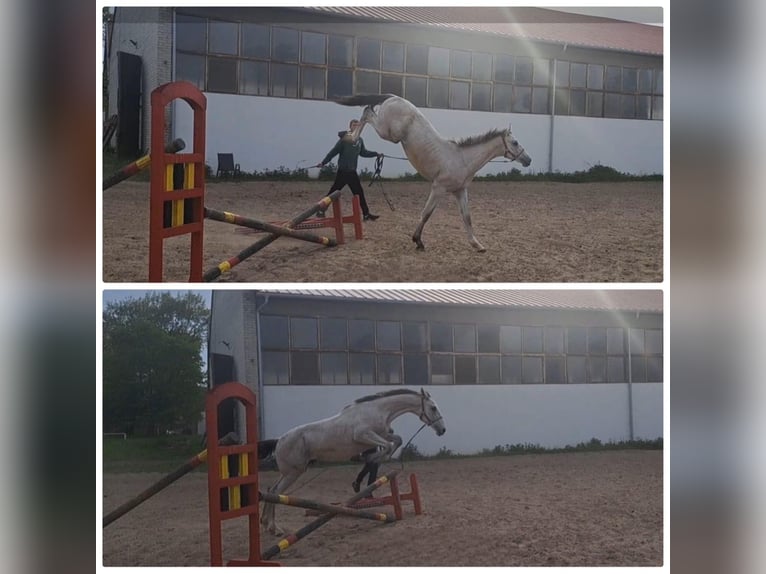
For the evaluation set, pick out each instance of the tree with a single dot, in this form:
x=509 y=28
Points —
x=153 y=374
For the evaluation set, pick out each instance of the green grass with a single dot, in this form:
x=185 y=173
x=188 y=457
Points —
x=161 y=454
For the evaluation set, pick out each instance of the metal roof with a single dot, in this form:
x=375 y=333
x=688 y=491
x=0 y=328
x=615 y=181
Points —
x=537 y=24
x=645 y=301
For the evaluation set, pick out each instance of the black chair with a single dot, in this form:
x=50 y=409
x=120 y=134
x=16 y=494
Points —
x=227 y=166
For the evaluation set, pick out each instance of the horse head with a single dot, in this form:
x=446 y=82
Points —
x=430 y=414
x=513 y=149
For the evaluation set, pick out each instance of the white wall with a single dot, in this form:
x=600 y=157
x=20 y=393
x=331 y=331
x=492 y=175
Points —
x=265 y=133
x=479 y=417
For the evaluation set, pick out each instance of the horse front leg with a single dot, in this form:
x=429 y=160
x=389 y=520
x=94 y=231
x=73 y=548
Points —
x=465 y=213
x=268 y=514
x=428 y=209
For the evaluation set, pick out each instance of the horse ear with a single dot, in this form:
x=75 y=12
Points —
x=424 y=393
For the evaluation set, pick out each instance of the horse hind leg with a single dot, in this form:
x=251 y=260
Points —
x=428 y=209
x=465 y=212
x=268 y=515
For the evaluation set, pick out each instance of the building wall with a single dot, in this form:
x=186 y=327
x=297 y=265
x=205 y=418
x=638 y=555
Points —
x=481 y=416
x=265 y=133
x=477 y=416
x=151 y=29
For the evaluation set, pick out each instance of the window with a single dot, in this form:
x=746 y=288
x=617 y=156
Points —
x=389 y=369
x=595 y=77
x=596 y=369
x=522 y=99
x=645 y=81
x=312 y=83
x=389 y=336
x=361 y=335
x=274 y=332
x=361 y=369
x=415 y=369
x=481 y=66
x=613 y=80
x=459 y=95
x=284 y=80
x=511 y=370
x=658 y=82
x=532 y=370
x=256 y=40
x=628 y=106
x=390 y=84
x=644 y=107
x=340 y=51
x=339 y=83
x=304 y=368
x=597 y=340
x=554 y=341
x=532 y=340
x=562 y=74
x=222 y=75
x=254 y=78
x=653 y=341
x=393 y=57
x=595 y=107
x=224 y=37
x=438 y=61
x=488 y=338
x=489 y=370
x=523 y=73
x=612 y=106
x=275 y=367
x=504 y=68
x=555 y=370
x=368 y=53
x=460 y=64
x=367 y=82
x=503 y=98
x=576 y=370
x=465 y=369
x=441 y=337
x=333 y=369
x=191 y=33
x=303 y=333
x=332 y=334
x=438 y=93
x=614 y=341
x=284 y=44
x=417 y=59
x=481 y=97
x=577 y=103
x=441 y=370
x=578 y=75
x=657 y=108
x=540 y=100
x=510 y=339
x=615 y=372
x=541 y=72
x=465 y=338
x=629 y=80
x=415 y=90
x=414 y=336
x=576 y=340
x=191 y=68
x=313 y=48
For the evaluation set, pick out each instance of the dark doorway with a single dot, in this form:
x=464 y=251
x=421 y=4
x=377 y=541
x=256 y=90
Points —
x=128 y=105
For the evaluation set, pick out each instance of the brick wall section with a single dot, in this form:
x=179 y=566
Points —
x=145 y=32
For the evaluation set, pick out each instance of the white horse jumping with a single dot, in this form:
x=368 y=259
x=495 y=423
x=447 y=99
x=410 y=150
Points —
x=362 y=425
x=449 y=165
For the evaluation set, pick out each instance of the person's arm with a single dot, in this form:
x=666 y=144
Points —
x=364 y=152
x=332 y=153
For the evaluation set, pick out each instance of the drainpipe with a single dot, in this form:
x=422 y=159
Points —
x=259 y=358
x=553 y=115
x=630 y=386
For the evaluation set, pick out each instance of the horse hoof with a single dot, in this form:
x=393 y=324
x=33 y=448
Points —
x=482 y=249
x=355 y=486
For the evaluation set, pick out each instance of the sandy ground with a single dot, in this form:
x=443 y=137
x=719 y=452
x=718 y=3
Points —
x=578 y=509
x=533 y=232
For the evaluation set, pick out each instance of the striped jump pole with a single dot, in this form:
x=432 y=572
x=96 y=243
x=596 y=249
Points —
x=165 y=481
x=313 y=505
x=233 y=218
x=141 y=163
x=311 y=526
x=225 y=266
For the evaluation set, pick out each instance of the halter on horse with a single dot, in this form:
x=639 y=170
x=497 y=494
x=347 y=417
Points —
x=448 y=165
x=364 y=424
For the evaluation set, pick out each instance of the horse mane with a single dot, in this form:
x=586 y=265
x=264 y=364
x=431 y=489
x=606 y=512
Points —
x=479 y=139
x=384 y=394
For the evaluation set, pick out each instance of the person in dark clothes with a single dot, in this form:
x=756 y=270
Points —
x=348 y=154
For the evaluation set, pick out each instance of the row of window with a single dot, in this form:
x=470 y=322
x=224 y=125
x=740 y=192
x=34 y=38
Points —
x=266 y=60
x=328 y=350
x=341 y=368
x=330 y=333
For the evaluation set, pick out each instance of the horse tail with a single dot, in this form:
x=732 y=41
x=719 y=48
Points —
x=363 y=99
x=266 y=448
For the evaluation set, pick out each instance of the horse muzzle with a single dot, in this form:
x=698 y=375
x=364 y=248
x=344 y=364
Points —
x=441 y=431
x=524 y=159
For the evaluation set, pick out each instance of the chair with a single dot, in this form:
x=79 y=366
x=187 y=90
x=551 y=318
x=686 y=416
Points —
x=227 y=166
